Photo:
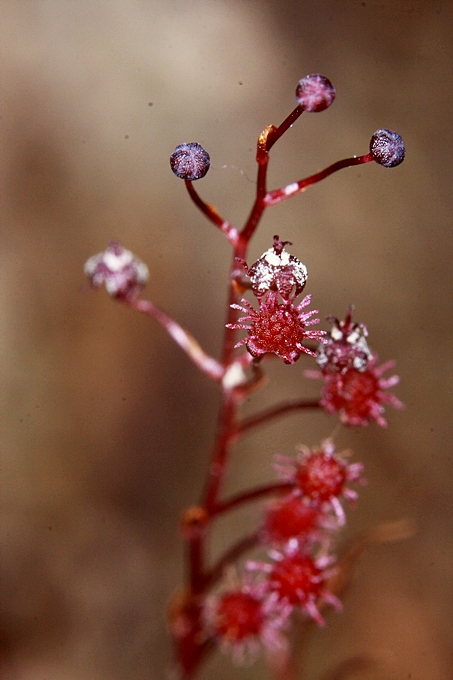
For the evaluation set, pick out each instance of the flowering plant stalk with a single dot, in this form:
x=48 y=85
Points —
x=251 y=611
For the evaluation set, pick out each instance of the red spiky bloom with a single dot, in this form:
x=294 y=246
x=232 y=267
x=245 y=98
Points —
x=359 y=396
x=277 y=327
x=320 y=476
x=245 y=618
x=299 y=579
x=288 y=518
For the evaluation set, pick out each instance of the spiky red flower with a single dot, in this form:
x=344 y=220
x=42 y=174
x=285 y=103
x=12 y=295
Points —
x=299 y=579
x=277 y=327
x=320 y=476
x=359 y=396
x=288 y=518
x=245 y=617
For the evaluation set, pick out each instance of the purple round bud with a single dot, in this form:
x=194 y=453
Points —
x=387 y=148
x=190 y=161
x=315 y=93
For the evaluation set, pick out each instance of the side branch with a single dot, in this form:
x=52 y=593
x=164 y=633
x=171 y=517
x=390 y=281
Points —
x=230 y=556
x=249 y=496
x=210 y=366
x=279 y=195
x=275 y=135
x=275 y=412
x=211 y=213
x=262 y=158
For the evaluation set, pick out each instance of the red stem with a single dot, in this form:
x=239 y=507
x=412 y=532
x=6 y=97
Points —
x=287 y=123
x=279 y=195
x=265 y=141
x=227 y=429
x=211 y=213
x=231 y=555
x=217 y=467
x=249 y=496
x=275 y=412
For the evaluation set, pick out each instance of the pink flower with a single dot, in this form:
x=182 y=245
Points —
x=279 y=328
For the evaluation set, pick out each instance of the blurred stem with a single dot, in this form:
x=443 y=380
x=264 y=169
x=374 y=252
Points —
x=266 y=417
x=230 y=556
x=251 y=495
x=207 y=364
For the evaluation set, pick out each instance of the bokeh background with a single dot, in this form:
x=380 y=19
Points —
x=105 y=426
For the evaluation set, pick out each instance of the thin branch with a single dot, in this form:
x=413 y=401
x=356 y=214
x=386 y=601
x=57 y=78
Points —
x=210 y=366
x=283 y=127
x=275 y=412
x=211 y=213
x=279 y=195
x=230 y=556
x=253 y=495
x=262 y=158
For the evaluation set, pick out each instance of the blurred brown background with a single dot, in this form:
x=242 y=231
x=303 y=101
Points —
x=105 y=426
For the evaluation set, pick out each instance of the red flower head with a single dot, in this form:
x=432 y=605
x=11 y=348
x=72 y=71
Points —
x=299 y=579
x=291 y=517
x=320 y=476
x=359 y=396
x=244 y=617
x=276 y=327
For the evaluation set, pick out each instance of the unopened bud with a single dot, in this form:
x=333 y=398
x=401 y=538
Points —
x=190 y=161
x=387 y=148
x=119 y=270
x=276 y=269
x=315 y=93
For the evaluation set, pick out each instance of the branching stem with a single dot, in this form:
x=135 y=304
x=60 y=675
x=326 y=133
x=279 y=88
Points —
x=207 y=364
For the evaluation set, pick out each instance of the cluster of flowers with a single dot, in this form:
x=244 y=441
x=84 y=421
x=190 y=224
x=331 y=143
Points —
x=247 y=612
x=253 y=612
x=300 y=527
x=354 y=385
